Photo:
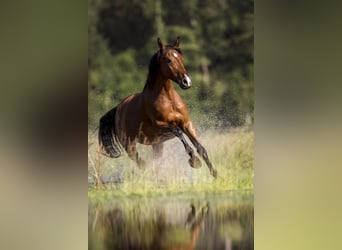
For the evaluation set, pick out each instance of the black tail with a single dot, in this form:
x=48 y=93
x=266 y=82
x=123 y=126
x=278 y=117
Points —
x=107 y=137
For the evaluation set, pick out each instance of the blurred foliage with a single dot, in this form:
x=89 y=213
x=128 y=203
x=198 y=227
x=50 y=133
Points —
x=217 y=43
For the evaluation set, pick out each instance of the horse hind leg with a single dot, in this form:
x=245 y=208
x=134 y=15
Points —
x=134 y=155
x=157 y=151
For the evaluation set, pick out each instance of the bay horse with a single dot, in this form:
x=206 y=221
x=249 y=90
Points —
x=155 y=115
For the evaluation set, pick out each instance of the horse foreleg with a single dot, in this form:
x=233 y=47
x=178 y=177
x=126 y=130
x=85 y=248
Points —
x=189 y=130
x=193 y=161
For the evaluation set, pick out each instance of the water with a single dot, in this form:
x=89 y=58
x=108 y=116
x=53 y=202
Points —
x=223 y=221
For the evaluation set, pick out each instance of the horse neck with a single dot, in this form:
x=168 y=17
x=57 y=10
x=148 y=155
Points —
x=161 y=86
x=167 y=88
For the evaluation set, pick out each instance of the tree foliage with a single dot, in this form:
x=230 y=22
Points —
x=216 y=40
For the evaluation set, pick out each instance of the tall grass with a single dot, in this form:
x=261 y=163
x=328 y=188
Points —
x=231 y=152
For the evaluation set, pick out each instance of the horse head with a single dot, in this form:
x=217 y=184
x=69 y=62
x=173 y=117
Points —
x=171 y=63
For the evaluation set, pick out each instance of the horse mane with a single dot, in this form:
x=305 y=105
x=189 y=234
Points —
x=154 y=65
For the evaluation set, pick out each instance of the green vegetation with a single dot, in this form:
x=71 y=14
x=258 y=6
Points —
x=230 y=151
x=217 y=43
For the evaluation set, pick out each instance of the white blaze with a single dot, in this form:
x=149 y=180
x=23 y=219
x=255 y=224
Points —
x=188 y=80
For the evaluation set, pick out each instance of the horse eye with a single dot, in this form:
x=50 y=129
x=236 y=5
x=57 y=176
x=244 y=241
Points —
x=168 y=60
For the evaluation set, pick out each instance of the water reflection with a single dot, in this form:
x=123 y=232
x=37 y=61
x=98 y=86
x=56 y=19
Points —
x=215 y=223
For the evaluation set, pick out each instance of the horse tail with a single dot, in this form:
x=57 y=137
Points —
x=107 y=137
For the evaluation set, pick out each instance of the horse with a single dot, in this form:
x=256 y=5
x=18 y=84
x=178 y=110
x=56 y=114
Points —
x=155 y=115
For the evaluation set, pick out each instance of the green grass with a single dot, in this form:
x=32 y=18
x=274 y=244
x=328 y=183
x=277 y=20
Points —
x=231 y=152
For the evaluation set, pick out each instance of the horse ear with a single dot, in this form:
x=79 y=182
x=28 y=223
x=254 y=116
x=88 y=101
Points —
x=176 y=43
x=160 y=43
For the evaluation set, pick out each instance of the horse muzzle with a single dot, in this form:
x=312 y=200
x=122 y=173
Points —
x=184 y=81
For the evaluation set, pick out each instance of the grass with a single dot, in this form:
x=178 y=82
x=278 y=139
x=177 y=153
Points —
x=231 y=152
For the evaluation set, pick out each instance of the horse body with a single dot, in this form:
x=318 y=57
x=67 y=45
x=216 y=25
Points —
x=146 y=116
x=165 y=108
x=156 y=114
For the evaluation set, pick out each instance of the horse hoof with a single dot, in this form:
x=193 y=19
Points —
x=195 y=162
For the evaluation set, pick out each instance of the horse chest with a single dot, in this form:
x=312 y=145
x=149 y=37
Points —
x=170 y=112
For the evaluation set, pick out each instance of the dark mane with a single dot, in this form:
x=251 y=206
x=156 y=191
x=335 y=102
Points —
x=154 y=65
x=152 y=70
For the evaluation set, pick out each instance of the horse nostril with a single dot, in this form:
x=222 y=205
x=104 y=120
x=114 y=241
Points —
x=185 y=81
